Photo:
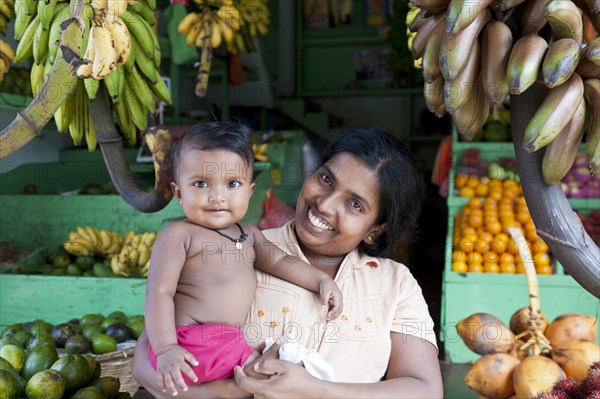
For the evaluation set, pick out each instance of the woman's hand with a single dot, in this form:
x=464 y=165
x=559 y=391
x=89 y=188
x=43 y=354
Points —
x=170 y=365
x=331 y=298
x=285 y=380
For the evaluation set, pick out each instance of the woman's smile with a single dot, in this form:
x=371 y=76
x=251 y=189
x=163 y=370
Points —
x=318 y=222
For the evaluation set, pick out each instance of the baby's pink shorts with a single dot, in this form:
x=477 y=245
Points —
x=218 y=348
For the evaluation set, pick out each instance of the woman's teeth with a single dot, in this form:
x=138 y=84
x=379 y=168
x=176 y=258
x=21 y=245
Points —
x=315 y=221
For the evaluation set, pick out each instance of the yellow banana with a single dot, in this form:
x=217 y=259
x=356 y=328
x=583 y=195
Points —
x=216 y=38
x=188 y=22
x=554 y=114
x=144 y=255
x=121 y=38
x=83 y=233
x=592 y=143
x=79 y=247
x=457 y=92
x=455 y=50
x=461 y=13
x=117 y=7
x=105 y=57
x=560 y=62
x=524 y=62
x=565 y=20
x=496 y=45
x=106 y=240
x=561 y=152
x=7 y=50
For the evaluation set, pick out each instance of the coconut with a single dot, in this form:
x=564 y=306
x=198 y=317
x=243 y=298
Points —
x=519 y=321
x=484 y=333
x=570 y=326
x=576 y=357
x=491 y=375
x=534 y=375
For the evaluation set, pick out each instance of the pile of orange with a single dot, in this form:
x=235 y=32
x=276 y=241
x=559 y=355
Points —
x=481 y=242
x=475 y=186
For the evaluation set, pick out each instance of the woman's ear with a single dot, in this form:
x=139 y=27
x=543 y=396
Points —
x=374 y=233
x=176 y=191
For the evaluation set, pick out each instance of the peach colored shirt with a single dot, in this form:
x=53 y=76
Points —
x=380 y=296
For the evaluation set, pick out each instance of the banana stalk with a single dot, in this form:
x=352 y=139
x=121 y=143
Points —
x=29 y=123
x=159 y=142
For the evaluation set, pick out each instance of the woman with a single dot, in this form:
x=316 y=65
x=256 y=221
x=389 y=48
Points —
x=359 y=207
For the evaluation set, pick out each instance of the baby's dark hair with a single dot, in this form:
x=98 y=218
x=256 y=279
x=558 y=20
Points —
x=214 y=136
x=401 y=187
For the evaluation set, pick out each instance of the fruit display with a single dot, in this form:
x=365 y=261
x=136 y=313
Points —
x=223 y=21
x=476 y=53
x=530 y=356
x=44 y=361
x=578 y=182
x=119 y=53
x=91 y=252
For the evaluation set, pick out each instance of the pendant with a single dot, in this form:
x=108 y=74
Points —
x=238 y=245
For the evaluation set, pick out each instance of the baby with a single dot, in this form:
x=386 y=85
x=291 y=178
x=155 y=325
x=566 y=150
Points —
x=201 y=282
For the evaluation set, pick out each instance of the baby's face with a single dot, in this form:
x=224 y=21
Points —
x=213 y=187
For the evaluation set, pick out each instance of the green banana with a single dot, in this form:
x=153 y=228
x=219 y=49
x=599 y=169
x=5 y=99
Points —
x=147 y=13
x=161 y=90
x=143 y=33
x=25 y=47
x=151 y=4
x=31 y=6
x=61 y=13
x=22 y=20
x=90 y=130
x=40 y=44
x=128 y=129
x=560 y=62
x=141 y=90
x=591 y=93
x=64 y=115
x=135 y=108
x=36 y=78
x=76 y=125
x=91 y=87
x=45 y=10
x=111 y=81
x=554 y=114
x=562 y=151
x=142 y=61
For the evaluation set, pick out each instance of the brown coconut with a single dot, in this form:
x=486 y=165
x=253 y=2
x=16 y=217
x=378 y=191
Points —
x=519 y=321
x=571 y=326
x=576 y=357
x=491 y=375
x=484 y=333
x=534 y=375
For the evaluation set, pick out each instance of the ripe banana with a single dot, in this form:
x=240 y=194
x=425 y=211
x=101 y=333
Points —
x=562 y=151
x=434 y=96
x=532 y=16
x=496 y=45
x=472 y=115
x=120 y=36
x=458 y=91
x=461 y=13
x=186 y=24
x=593 y=51
x=592 y=143
x=565 y=20
x=455 y=50
x=587 y=68
x=431 y=55
x=554 y=114
x=560 y=62
x=524 y=62
x=424 y=32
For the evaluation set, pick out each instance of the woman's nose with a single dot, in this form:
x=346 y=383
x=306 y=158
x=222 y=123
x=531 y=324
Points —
x=326 y=204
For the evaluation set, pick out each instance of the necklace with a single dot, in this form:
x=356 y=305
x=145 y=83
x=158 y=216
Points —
x=238 y=241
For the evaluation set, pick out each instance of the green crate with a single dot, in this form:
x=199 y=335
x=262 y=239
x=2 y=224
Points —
x=501 y=295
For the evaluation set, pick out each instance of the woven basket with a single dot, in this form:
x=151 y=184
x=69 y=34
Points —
x=118 y=364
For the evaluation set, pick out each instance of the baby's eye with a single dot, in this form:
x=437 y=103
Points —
x=233 y=184
x=200 y=184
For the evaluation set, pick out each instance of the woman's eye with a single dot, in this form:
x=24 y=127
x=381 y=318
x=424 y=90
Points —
x=356 y=205
x=325 y=178
x=200 y=184
x=233 y=184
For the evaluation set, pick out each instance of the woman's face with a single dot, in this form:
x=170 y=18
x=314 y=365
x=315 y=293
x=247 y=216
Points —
x=338 y=206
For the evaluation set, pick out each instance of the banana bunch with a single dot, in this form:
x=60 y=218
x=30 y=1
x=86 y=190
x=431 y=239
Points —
x=471 y=61
x=260 y=152
x=7 y=54
x=120 y=54
x=255 y=20
x=134 y=258
x=88 y=241
x=7 y=11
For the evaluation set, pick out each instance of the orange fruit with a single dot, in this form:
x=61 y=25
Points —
x=490 y=257
x=540 y=247
x=496 y=195
x=523 y=217
x=474 y=257
x=543 y=269
x=507 y=258
x=475 y=220
x=531 y=235
x=475 y=268
x=497 y=246
x=541 y=258
x=493 y=227
x=491 y=267
x=508 y=268
x=473 y=181
x=475 y=202
x=482 y=190
x=461 y=180
x=467 y=244
x=458 y=255
x=468 y=230
x=511 y=247
x=510 y=223
x=466 y=192
x=459 y=266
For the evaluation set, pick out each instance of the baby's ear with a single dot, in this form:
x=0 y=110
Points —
x=176 y=191
x=252 y=188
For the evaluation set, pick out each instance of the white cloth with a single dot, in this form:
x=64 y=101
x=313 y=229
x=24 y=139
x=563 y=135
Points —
x=310 y=358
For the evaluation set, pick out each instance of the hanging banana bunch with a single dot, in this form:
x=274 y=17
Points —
x=7 y=54
x=255 y=20
x=119 y=53
x=473 y=57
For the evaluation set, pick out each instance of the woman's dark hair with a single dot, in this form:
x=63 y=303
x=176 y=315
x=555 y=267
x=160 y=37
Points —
x=214 y=136
x=401 y=186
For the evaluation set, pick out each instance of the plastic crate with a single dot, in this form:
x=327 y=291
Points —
x=501 y=295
